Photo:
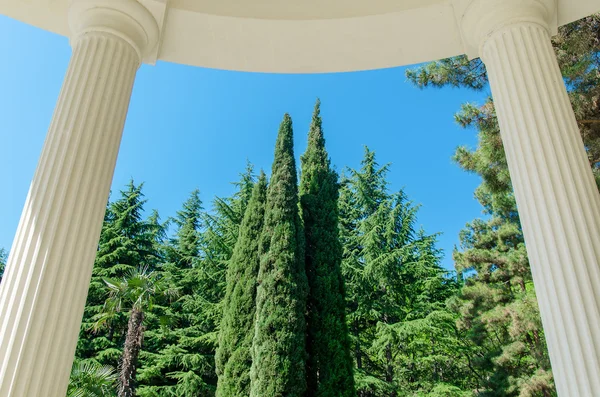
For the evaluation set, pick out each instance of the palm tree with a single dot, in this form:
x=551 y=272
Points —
x=136 y=293
x=90 y=379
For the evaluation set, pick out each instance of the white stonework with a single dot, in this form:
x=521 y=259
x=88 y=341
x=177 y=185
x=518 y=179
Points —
x=555 y=190
x=43 y=293
x=295 y=36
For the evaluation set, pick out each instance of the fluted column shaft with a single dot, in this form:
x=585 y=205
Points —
x=43 y=292
x=556 y=194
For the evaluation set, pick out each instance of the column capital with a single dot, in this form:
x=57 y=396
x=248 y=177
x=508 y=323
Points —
x=480 y=19
x=127 y=19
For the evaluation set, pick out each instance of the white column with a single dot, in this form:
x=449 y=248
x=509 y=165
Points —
x=43 y=292
x=555 y=191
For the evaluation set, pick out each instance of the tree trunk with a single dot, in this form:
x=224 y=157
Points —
x=133 y=345
x=358 y=353
x=389 y=376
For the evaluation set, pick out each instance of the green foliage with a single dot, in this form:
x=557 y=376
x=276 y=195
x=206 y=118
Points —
x=395 y=286
x=135 y=293
x=497 y=305
x=233 y=357
x=137 y=290
x=498 y=318
x=177 y=353
x=3 y=258
x=329 y=364
x=181 y=338
x=90 y=379
x=455 y=72
x=577 y=48
x=415 y=329
x=278 y=348
x=127 y=242
x=222 y=226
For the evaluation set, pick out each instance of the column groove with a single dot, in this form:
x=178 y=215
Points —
x=53 y=251
x=558 y=201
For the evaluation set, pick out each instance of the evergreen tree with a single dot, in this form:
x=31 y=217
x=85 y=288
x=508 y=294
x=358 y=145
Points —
x=233 y=357
x=329 y=364
x=576 y=47
x=222 y=225
x=127 y=242
x=497 y=311
x=184 y=249
x=497 y=304
x=181 y=339
x=178 y=357
x=395 y=285
x=278 y=348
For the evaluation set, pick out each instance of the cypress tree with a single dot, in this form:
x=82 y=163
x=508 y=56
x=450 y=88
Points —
x=329 y=368
x=278 y=348
x=233 y=357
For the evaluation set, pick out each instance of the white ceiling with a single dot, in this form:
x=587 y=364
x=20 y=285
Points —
x=295 y=36
x=299 y=9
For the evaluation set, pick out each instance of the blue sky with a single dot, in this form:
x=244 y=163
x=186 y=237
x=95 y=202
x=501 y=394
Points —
x=193 y=128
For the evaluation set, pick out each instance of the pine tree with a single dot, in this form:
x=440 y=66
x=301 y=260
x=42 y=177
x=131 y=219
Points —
x=329 y=367
x=278 y=347
x=497 y=304
x=497 y=309
x=233 y=357
x=184 y=249
x=576 y=47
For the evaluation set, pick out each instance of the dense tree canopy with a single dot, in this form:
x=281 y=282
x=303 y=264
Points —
x=396 y=287
x=497 y=309
x=331 y=287
x=127 y=242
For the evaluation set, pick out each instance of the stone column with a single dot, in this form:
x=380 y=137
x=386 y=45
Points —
x=43 y=293
x=556 y=193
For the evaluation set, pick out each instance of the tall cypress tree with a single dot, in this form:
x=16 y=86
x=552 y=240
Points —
x=329 y=369
x=233 y=357
x=278 y=348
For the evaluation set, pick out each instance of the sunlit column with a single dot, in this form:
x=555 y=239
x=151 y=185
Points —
x=43 y=292
x=554 y=187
